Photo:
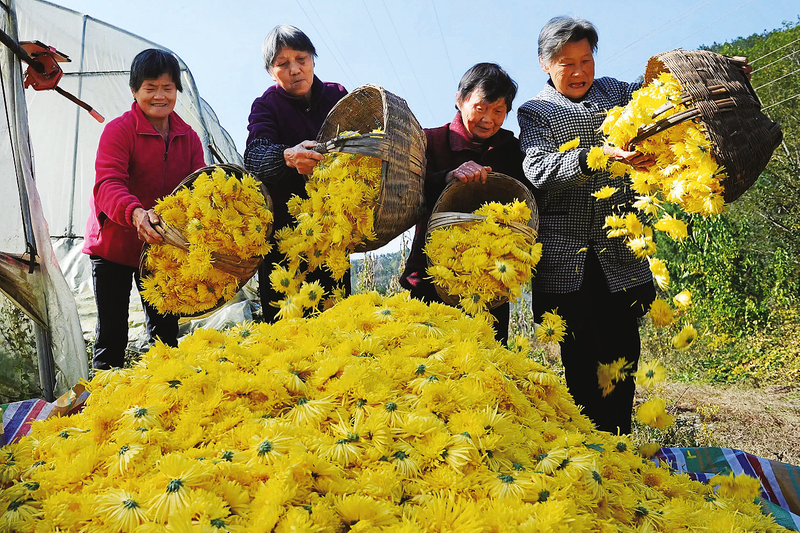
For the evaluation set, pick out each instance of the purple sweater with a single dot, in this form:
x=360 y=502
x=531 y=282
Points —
x=279 y=121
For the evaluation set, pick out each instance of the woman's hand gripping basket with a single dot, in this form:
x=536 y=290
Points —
x=216 y=226
x=400 y=146
x=486 y=265
x=718 y=94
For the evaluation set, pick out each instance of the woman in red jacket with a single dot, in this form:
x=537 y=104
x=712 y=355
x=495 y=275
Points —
x=142 y=156
x=467 y=149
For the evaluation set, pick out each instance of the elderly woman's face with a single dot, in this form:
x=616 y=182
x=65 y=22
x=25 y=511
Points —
x=157 y=97
x=294 y=72
x=482 y=119
x=572 y=71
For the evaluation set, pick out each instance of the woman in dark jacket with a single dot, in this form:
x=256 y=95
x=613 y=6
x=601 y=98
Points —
x=283 y=121
x=466 y=149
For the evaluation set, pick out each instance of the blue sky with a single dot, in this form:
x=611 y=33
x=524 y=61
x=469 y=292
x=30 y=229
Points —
x=418 y=49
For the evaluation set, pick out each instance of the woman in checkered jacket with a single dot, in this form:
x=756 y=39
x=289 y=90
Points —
x=597 y=285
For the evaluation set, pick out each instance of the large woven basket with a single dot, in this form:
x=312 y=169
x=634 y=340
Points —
x=718 y=94
x=244 y=269
x=401 y=148
x=458 y=200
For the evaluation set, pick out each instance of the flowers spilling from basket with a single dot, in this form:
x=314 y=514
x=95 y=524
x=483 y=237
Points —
x=685 y=176
x=378 y=414
x=338 y=214
x=486 y=260
x=217 y=224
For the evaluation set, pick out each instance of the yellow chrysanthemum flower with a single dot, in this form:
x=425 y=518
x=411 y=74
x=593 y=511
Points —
x=660 y=273
x=685 y=337
x=741 y=487
x=683 y=300
x=552 y=329
x=660 y=313
x=653 y=413
x=673 y=227
x=605 y=192
x=569 y=145
x=597 y=158
x=650 y=373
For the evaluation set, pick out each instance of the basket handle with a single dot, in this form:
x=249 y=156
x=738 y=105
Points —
x=673 y=120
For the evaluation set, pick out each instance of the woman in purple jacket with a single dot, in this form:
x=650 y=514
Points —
x=142 y=156
x=283 y=121
x=466 y=149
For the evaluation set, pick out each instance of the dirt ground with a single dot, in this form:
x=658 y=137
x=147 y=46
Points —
x=764 y=422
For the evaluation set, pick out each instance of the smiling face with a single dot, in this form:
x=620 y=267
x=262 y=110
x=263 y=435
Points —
x=572 y=71
x=294 y=72
x=156 y=97
x=482 y=119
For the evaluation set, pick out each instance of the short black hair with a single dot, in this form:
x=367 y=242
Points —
x=284 y=36
x=562 y=30
x=152 y=63
x=492 y=80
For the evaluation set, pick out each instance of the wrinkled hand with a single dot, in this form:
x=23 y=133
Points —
x=302 y=157
x=144 y=220
x=637 y=160
x=469 y=171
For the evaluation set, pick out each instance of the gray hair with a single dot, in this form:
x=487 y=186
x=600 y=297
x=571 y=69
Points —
x=562 y=30
x=284 y=36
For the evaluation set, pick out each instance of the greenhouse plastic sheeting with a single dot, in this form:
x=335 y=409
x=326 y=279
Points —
x=55 y=141
x=24 y=230
x=65 y=136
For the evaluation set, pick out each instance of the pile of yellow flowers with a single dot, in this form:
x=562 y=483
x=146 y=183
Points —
x=486 y=260
x=338 y=215
x=379 y=414
x=219 y=214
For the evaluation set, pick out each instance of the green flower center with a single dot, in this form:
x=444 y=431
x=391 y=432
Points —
x=130 y=504
x=174 y=485
x=506 y=478
x=264 y=448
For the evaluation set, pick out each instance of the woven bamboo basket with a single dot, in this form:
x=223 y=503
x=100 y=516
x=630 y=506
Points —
x=244 y=269
x=401 y=148
x=458 y=200
x=718 y=94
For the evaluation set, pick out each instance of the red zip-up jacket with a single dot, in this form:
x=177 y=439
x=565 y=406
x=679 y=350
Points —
x=134 y=168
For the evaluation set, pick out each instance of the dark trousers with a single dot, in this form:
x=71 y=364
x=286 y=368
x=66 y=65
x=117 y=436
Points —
x=268 y=295
x=425 y=290
x=112 y=291
x=601 y=327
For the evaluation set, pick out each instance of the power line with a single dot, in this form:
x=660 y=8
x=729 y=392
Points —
x=413 y=70
x=333 y=41
x=779 y=59
x=660 y=29
x=782 y=101
x=712 y=23
x=773 y=51
x=777 y=79
x=325 y=43
x=391 y=64
x=441 y=33
x=704 y=27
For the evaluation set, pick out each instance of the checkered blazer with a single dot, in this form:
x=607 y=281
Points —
x=571 y=219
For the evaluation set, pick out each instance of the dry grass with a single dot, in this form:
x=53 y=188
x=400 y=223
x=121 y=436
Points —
x=761 y=421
